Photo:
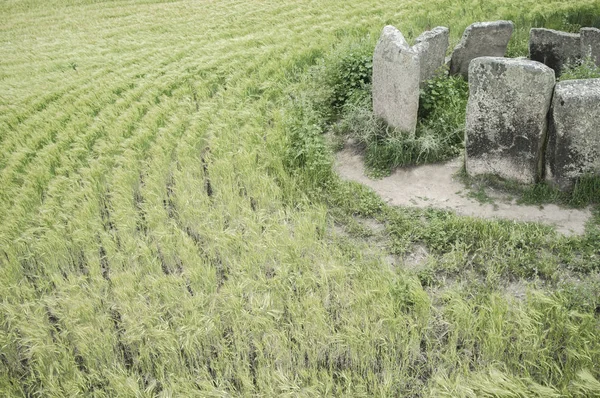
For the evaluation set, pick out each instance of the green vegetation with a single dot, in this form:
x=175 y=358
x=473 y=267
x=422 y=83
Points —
x=440 y=128
x=585 y=192
x=171 y=224
x=585 y=69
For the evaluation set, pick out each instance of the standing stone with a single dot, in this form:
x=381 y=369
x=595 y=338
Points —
x=574 y=136
x=554 y=48
x=396 y=73
x=431 y=47
x=590 y=44
x=507 y=113
x=481 y=39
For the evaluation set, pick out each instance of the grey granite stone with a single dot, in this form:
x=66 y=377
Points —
x=574 y=137
x=396 y=71
x=481 y=39
x=590 y=44
x=431 y=47
x=554 y=48
x=506 y=127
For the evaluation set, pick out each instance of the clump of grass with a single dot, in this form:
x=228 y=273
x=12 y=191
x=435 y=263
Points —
x=582 y=69
x=518 y=46
x=442 y=112
x=439 y=135
x=586 y=190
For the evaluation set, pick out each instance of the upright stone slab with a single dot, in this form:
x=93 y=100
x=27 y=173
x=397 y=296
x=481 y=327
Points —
x=481 y=39
x=507 y=113
x=554 y=48
x=590 y=44
x=574 y=137
x=396 y=81
x=431 y=47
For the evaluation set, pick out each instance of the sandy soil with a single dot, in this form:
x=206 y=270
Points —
x=435 y=186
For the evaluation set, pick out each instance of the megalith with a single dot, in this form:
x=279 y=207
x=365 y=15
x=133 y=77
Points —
x=396 y=71
x=481 y=39
x=574 y=136
x=590 y=44
x=431 y=47
x=507 y=113
x=554 y=48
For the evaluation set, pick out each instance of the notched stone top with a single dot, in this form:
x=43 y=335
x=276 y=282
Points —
x=429 y=34
x=392 y=42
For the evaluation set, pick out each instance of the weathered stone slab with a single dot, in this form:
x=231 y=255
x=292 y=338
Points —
x=481 y=39
x=431 y=47
x=396 y=74
x=554 y=48
x=574 y=136
x=507 y=113
x=590 y=44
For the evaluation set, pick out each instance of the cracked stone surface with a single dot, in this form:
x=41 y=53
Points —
x=554 y=48
x=506 y=127
x=574 y=138
x=590 y=44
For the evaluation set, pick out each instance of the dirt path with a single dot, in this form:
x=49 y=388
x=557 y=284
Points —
x=435 y=186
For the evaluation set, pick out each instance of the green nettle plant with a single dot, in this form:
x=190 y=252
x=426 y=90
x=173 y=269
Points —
x=356 y=72
x=442 y=93
x=348 y=70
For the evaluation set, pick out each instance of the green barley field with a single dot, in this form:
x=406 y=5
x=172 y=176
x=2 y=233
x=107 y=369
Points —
x=170 y=224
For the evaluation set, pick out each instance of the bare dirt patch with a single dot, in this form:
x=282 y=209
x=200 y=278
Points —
x=416 y=258
x=436 y=186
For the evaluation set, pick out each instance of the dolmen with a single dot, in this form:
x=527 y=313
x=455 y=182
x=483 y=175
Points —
x=522 y=125
x=507 y=111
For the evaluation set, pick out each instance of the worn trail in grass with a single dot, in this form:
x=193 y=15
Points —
x=154 y=240
x=439 y=186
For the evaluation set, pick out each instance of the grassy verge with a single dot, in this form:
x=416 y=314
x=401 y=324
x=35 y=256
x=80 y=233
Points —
x=171 y=225
x=470 y=271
